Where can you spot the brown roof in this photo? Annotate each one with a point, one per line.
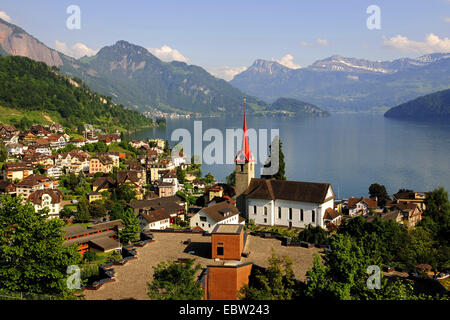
(287, 190)
(106, 243)
(105, 160)
(155, 215)
(55, 194)
(99, 182)
(330, 214)
(221, 211)
(170, 204)
(33, 180)
(371, 203)
(123, 176)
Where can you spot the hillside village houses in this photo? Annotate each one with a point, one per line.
(35, 165)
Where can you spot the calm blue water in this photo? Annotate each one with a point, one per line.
(349, 151)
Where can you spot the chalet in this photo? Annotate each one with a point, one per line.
(54, 127)
(53, 171)
(78, 142)
(8, 131)
(332, 218)
(14, 149)
(175, 206)
(156, 219)
(57, 141)
(16, 171)
(35, 159)
(75, 161)
(411, 197)
(410, 212)
(102, 164)
(221, 213)
(47, 199)
(361, 206)
(288, 203)
(103, 184)
(7, 187)
(39, 131)
(33, 183)
(114, 156)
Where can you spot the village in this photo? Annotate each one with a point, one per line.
(89, 181)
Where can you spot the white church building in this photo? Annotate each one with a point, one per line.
(288, 203)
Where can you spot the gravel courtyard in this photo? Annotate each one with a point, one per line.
(131, 278)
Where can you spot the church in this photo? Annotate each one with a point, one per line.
(279, 202)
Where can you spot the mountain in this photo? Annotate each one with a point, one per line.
(15, 41)
(28, 86)
(348, 84)
(136, 78)
(298, 108)
(433, 105)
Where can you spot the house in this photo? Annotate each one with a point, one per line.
(39, 131)
(166, 189)
(75, 161)
(332, 218)
(155, 168)
(54, 127)
(140, 171)
(101, 164)
(33, 183)
(410, 212)
(131, 178)
(110, 138)
(13, 171)
(54, 172)
(94, 196)
(221, 213)
(361, 206)
(78, 142)
(114, 156)
(11, 139)
(174, 205)
(213, 192)
(103, 184)
(47, 199)
(137, 144)
(7, 131)
(35, 159)
(159, 143)
(288, 203)
(411, 197)
(14, 149)
(7, 187)
(154, 219)
(57, 141)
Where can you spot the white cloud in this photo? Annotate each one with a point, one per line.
(287, 61)
(4, 16)
(168, 54)
(318, 42)
(226, 72)
(431, 44)
(322, 42)
(78, 50)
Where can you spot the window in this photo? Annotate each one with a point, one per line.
(254, 209)
(290, 213)
(265, 211)
(313, 217)
(301, 214)
(279, 212)
(242, 167)
(220, 248)
(203, 219)
(265, 220)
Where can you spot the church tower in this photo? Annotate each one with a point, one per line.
(245, 168)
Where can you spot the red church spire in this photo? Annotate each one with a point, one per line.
(245, 155)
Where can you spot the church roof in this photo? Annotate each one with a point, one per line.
(311, 192)
(245, 155)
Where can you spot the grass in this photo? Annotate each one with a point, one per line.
(114, 147)
(38, 117)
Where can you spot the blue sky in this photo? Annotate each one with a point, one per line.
(224, 37)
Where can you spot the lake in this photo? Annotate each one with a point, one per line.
(349, 151)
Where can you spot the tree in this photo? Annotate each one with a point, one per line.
(176, 281)
(280, 174)
(126, 192)
(131, 227)
(82, 214)
(33, 258)
(3, 153)
(276, 282)
(97, 209)
(379, 191)
(181, 175)
(231, 179)
(209, 178)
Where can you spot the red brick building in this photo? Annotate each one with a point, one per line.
(227, 242)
